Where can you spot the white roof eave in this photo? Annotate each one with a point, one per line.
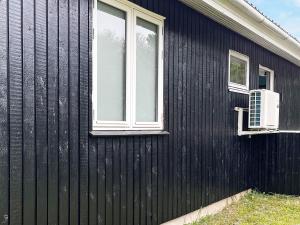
(242, 18)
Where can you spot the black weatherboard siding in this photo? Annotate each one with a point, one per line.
(53, 172)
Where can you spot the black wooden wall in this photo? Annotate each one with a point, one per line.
(53, 172)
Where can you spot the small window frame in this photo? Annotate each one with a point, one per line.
(132, 12)
(234, 87)
(272, 75)
(159, 123)
(106, 125)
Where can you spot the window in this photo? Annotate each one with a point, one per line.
(238, 72)
(127, 67)
(266, 78)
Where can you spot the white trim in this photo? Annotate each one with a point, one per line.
(271, 76)
(234, 87)
(208, 210)
(238, 90)
(241, 132)
(143, 10)
(132, 11)
(242, 18)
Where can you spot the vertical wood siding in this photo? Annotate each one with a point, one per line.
(29, 131)
(15, 95)
(53, 172)
(52, 112)
(4, 119)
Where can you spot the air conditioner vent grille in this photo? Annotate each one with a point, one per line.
(255, 108)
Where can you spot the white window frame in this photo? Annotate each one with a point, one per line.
(234, 87)
(271, 75)
(132, 12)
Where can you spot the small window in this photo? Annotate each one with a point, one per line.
(127, 67)
(266, 78)
(238, 72)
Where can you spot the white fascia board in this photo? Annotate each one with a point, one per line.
(249, 24)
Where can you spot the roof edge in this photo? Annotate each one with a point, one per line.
(241, 17)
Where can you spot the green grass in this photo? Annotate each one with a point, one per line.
(258, 209)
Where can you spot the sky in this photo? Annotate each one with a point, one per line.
(286, 13)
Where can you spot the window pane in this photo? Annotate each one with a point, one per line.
(146, 71)
(238, 70)
(262, 82)
(264, 79)
(111, 52)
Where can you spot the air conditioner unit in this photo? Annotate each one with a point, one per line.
(263, 110)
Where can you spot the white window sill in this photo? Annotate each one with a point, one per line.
(106, 133)
(238, 90)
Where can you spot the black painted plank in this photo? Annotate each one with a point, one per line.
(15, 111)
(179, 119)
(53, 112)
(93, 210)
(224, 125)
(212, 116)
(53, 134)
(63, 98)
(148, 180)
(287, 176)
(29, 184)
(136, 179)
(143, 184)
(154, 180)
(192, 123)
(116, 181)
(189, 126)
(169, 190)
(41, 110)
(200, 115)
(296, 159)
(290, 165)
(165, 213)
(196, 119)
(123, 180)
(217, 130)
(205, 93)
(74, 110)
(109, 181)
(183, 118)
(161, 182)
(83, 110)
(176, 76)
(130, 181)
(101, 168)
(4, 122)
